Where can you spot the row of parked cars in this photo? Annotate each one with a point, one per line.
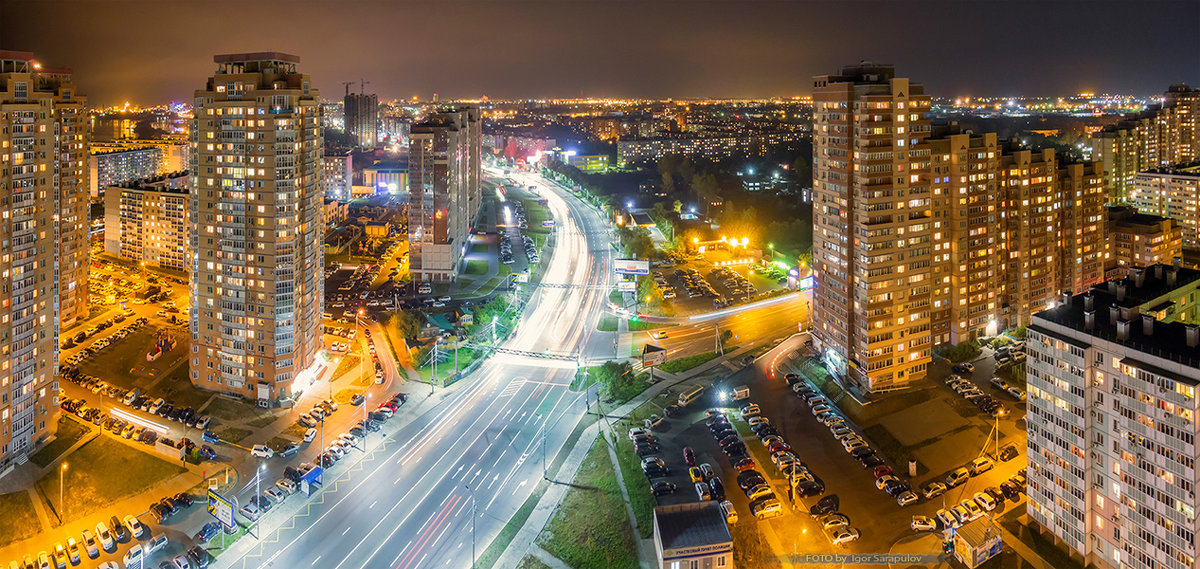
(106, 536)
(992, 498)
(102, 343)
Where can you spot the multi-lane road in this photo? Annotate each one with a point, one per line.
(477, 454)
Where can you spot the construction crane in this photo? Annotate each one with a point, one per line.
(347, 84)
(362, 86)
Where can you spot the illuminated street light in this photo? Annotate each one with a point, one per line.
(62, 497)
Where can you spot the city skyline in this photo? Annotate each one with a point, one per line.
(759, 49)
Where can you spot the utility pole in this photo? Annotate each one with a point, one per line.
(717, 330)
(433, 377)
(62, 497)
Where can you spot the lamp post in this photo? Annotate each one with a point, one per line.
(62, 497)
(362, 353)
(262, 467)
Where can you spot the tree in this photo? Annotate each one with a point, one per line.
(617, 380)
(677, 207)
(802, 170)
(407, 322)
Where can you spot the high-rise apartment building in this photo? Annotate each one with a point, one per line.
(45, 254)
(362, 118)
(1112, 407)
(1159, 137)
(1139, 240)
(339, 175)
(872, 233)
(256, 228)
(444, 170)
(113, 164)
(147, 221)
(1174, 193)
(924, 236)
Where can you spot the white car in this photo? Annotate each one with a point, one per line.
(262, 451)
(707, 470)
(653, 421)
(906, 498)
(135, 527)
(923, 523)
(106, 539)
(348, 438)
(818, 409)
(309, 435)
(636, 432)
(750, 410)
(89, 543)
(844, 536)
(973, 507)
(1016, 393)
(834, 520)
(985, 501)
(947, 519)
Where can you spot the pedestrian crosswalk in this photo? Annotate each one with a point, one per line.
(512, 388)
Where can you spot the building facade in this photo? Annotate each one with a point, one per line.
(1174, 193)
(45, 253)
(721, 146)
(256, 228)
(147, 221)
(386, 177)
(924, 236)
(362, 118)
(339, 175)
(1159, 137)
(1112, 377)
(692, 536)
(444, 167)
(1139, 240)
(113, 164)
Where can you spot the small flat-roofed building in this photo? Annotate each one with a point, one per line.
(692, 536)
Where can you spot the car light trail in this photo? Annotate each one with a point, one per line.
(745, 307)
(120, 414)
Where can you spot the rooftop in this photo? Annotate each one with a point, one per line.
(694, 524)
(1190, 170)
(160, 183)
(256, 56)
(1123, 300)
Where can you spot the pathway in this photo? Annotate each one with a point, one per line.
(642, 544)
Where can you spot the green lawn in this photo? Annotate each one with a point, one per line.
(104, 471)
(20, 519)
(226, 409)
(534, 215)
(233, 434)
(637, 485)
(477, 267)
(608, 323)
(531, 562)
(349, 363)
(688, 362)
(590, 529)
(69, 432)
(445, 369)
(479, 248)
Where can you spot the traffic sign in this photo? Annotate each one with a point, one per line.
(221, 509)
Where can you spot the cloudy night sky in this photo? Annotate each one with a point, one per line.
(149, 52)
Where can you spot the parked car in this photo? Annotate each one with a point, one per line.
(923, 523)
(262, 451)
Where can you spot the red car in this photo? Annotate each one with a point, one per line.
(744, 464)
(881, 471)
(689, 456)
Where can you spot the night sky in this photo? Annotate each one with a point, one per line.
(150, 52)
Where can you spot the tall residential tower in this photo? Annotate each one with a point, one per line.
(256, 228)
(444, 166)
(44, 251)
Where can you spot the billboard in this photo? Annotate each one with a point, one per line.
(631, 267)
(653, 355)
(807, 283)
(627, 286)
(221, 509)
(548, 223)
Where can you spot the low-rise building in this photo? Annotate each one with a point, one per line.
(719, 146)
(1139, 240)
(146, 221)
(692, 535)
(336, 211)
(387, 177)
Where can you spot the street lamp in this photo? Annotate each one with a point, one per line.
(262, 467)
(62, 497)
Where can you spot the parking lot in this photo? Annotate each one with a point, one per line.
(931, 424)
(700, 285)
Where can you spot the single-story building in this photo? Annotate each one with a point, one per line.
(692, 536)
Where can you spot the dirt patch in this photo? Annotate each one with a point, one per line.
(921, 422)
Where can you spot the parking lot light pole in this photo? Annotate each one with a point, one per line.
(62, 498)
(262, 467)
